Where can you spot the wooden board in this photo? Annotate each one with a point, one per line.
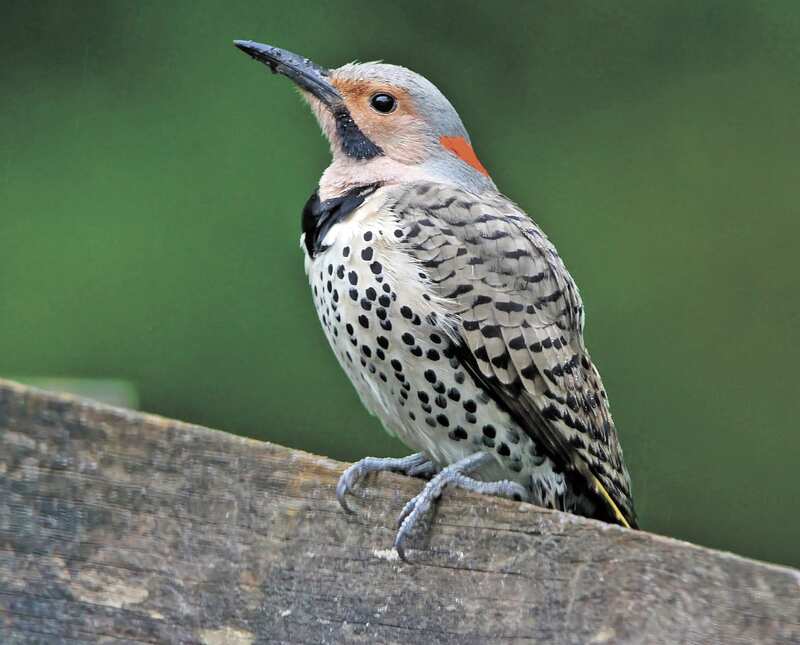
(118, 527)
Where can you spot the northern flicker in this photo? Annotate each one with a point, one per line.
(447, 306)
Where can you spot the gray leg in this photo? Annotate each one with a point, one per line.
(453, 475)
(416, 465)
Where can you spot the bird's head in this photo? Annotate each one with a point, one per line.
(385, 124)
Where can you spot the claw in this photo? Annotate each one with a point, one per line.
(345, 485)
(398, 546)
(425, 469)
(411, 465)
(453, 475)
(415, 508)
(418, 465)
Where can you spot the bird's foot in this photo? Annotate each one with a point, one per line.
(453, 475)
(416, 465)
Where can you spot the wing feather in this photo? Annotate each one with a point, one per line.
(520, 321)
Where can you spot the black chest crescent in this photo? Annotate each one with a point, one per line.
(320, 216)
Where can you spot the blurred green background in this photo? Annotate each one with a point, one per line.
(152, 177)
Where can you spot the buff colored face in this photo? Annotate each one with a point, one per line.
(386, 114)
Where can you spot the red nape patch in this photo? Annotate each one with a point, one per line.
(460, 147)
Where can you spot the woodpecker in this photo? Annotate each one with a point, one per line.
(449, 309)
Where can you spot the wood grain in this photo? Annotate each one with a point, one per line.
(117, 526)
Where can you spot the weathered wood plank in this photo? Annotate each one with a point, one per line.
(122, 527)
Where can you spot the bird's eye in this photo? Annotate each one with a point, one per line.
(383, 103)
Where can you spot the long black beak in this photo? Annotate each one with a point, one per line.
(307, 74)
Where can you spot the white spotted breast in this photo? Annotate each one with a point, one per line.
(396, 341)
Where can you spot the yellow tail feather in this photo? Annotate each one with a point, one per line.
(611, 503)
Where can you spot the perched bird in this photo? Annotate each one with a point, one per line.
(449, 309)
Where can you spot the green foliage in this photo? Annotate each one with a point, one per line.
(151, 180)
